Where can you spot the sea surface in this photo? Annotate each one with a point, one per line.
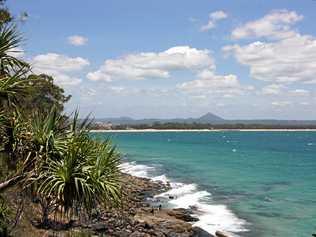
(259, 184)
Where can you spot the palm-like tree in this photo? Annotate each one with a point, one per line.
(12, 83)
(10, 41)
(75, 172)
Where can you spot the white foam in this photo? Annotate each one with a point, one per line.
(178, 190)
(212, 216)
(136, 170)
(162, 178)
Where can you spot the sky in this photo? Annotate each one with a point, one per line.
(239, 59)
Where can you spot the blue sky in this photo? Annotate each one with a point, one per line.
(238, 59)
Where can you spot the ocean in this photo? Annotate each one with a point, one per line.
(259, 184)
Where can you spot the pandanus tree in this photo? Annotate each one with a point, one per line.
(73, 171)
(63, 167)
(12, 79)
(10, 40)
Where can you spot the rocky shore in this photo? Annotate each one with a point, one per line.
(139, 215)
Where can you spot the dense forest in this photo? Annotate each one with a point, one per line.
(46, 157)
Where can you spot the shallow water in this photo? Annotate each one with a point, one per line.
(246, 183)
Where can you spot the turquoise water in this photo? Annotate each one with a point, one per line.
(267, 180)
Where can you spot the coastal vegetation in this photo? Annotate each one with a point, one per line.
(46, 156)
(197, 126)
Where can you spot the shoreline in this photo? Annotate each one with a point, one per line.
(201, 211)
(151, 213)
(137, 216)
(199, 130)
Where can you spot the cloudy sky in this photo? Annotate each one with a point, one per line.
(241, 59)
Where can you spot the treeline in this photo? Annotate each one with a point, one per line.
(166, 126)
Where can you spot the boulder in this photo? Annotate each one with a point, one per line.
(199, 232)
(99, 227)
(182, 214)
(221, 234)
(139, 234)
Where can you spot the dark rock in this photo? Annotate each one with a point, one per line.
(122, 233)
(99, 227)
(199, 232)
(139, 234)
(221, 234)
(172, 228)
(182, 214)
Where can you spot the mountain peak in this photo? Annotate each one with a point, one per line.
(210, 117)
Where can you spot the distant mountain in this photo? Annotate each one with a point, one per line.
(208, 118)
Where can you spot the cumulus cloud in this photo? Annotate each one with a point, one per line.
(276, 25)
(214, 17)
(60, 67)
(198, 62)
(77, 40)
(284, 61)
(207, 80)
(153, 65)
(210, 83)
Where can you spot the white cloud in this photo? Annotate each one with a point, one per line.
(153, 65)
(210, 83)
(59, 66)
(64, 79)
(161, 64)
(278, 90)
(59, 62)
(77, 40)
(214, 17)
(276, 25)
(285, 61)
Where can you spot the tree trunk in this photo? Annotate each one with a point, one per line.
(10, 182)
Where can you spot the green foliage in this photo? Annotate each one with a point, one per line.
(43, 94)
(10, 40)
(12, 88)
(86, 172)
(62, 164)
(5, 15)
(47, 153)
